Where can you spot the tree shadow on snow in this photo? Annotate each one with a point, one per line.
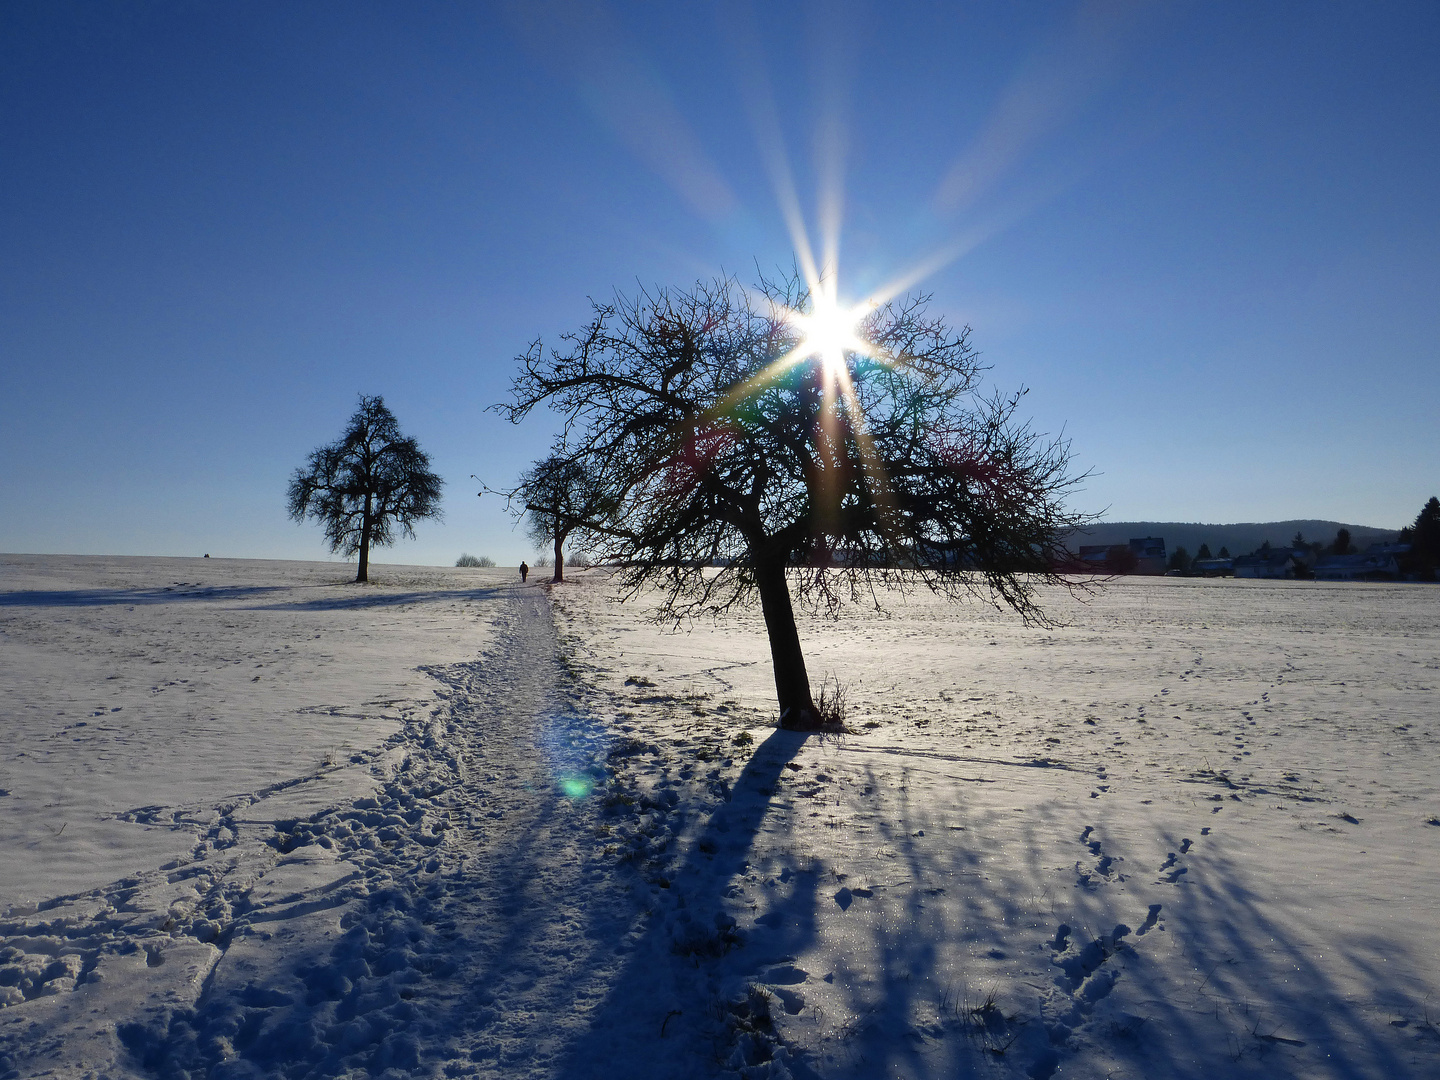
(978, 955)
(67, 598)
(664, 1012)
(362, 600)
(123, 597)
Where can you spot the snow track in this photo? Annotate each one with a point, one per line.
(462, 911)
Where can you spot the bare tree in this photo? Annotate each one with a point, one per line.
(559, 497)
(365, 483)
(732, 455)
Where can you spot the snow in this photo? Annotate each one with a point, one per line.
(462, 827)
(143, 687)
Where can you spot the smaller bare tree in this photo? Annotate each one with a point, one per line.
(365, 483)
(559, 498)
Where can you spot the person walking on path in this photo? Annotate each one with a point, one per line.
(524, 572)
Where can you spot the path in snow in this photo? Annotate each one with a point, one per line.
(463, 916)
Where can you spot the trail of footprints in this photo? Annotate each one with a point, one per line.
(1105, 867)
(1087, 969)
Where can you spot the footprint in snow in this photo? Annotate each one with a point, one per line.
(1150, 921)
(785, 975)
(846, 896)
(1079, 963)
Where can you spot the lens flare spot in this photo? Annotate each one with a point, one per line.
(576, 787)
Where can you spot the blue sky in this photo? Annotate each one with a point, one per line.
(1205, 236)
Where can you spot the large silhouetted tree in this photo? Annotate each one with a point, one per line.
(363, 485)
(733, 456)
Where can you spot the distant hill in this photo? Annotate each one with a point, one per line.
(1241, 539)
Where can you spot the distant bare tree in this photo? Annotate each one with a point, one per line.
(364, 484)
(559, 496)
(730, 453)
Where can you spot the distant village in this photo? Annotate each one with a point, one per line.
(1412, 554)
(1301, 559)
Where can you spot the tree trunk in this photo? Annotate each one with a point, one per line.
(559, 575)
(363, 574)
(792, 684)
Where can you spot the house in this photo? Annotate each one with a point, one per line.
(1142, 556)
(1271, 563)
(1378, 562)
(1149, 552)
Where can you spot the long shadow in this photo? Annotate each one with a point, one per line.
(1260, 1001)
(1096, 981)
(659, 1005)
(68, 598)
(384, 600)
(111, 597)
(1242, 1022)
(649, 997)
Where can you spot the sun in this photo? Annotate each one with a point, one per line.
(828, 331)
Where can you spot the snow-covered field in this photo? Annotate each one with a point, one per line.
(460, 827)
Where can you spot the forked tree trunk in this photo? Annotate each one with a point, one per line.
(792, 684)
